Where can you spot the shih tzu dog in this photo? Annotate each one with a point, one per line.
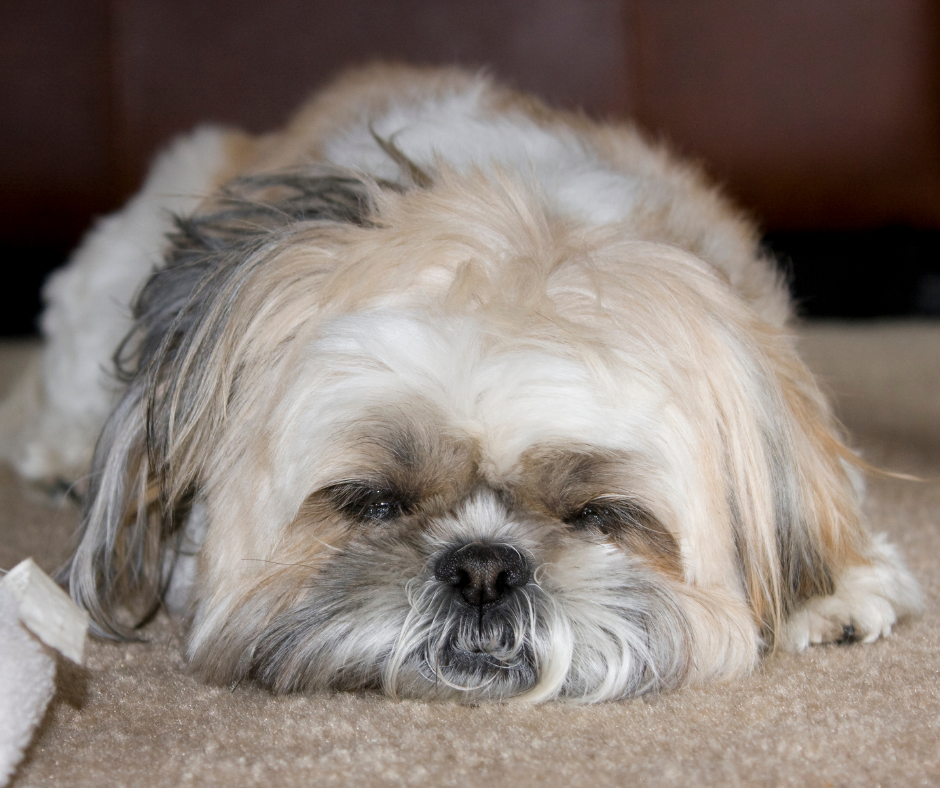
(444, 392)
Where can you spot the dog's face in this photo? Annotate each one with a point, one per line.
(444, 510)
(450, 445)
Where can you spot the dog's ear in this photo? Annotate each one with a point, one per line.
(122, 536)
(196, 322)
(794, 508)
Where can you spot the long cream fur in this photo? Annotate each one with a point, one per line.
(434, 315)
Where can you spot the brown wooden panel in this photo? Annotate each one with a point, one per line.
(54, 138)
(817, 113)
(248, 63)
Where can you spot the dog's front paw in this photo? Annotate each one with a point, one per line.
(867, 603)
(835, 619)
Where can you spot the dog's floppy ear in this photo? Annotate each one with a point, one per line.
(793, 505)
(181, 364)
(122, 536)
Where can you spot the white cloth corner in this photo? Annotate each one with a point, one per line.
(27, 683)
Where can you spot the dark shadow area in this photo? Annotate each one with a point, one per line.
(27, 266)
(859, 274)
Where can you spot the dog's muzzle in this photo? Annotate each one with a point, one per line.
(488, 619)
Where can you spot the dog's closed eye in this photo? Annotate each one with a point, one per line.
(369, 503)
(608, 516)
(630, 524)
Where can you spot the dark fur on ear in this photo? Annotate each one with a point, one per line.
(137, 498)
(206, 248)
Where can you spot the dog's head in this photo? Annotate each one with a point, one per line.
(450, 445)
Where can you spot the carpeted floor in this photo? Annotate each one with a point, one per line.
(834, 716)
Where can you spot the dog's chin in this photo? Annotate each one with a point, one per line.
(454, 672)
(478, 654)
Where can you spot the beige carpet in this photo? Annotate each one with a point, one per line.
(835, 716)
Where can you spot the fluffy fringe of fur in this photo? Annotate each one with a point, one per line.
(660, 328)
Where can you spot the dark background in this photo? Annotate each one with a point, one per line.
(822, 117)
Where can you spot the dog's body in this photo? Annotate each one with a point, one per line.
(456, 396)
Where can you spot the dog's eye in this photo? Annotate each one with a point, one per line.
(631, 526)
(593, 516)
(608, 516)
(369, 504)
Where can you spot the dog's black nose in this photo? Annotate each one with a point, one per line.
(483, 574)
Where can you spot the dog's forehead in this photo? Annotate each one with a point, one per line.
(391, 370)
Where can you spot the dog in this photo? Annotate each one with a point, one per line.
(443, 392)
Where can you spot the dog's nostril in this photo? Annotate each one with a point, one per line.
(483, 574)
